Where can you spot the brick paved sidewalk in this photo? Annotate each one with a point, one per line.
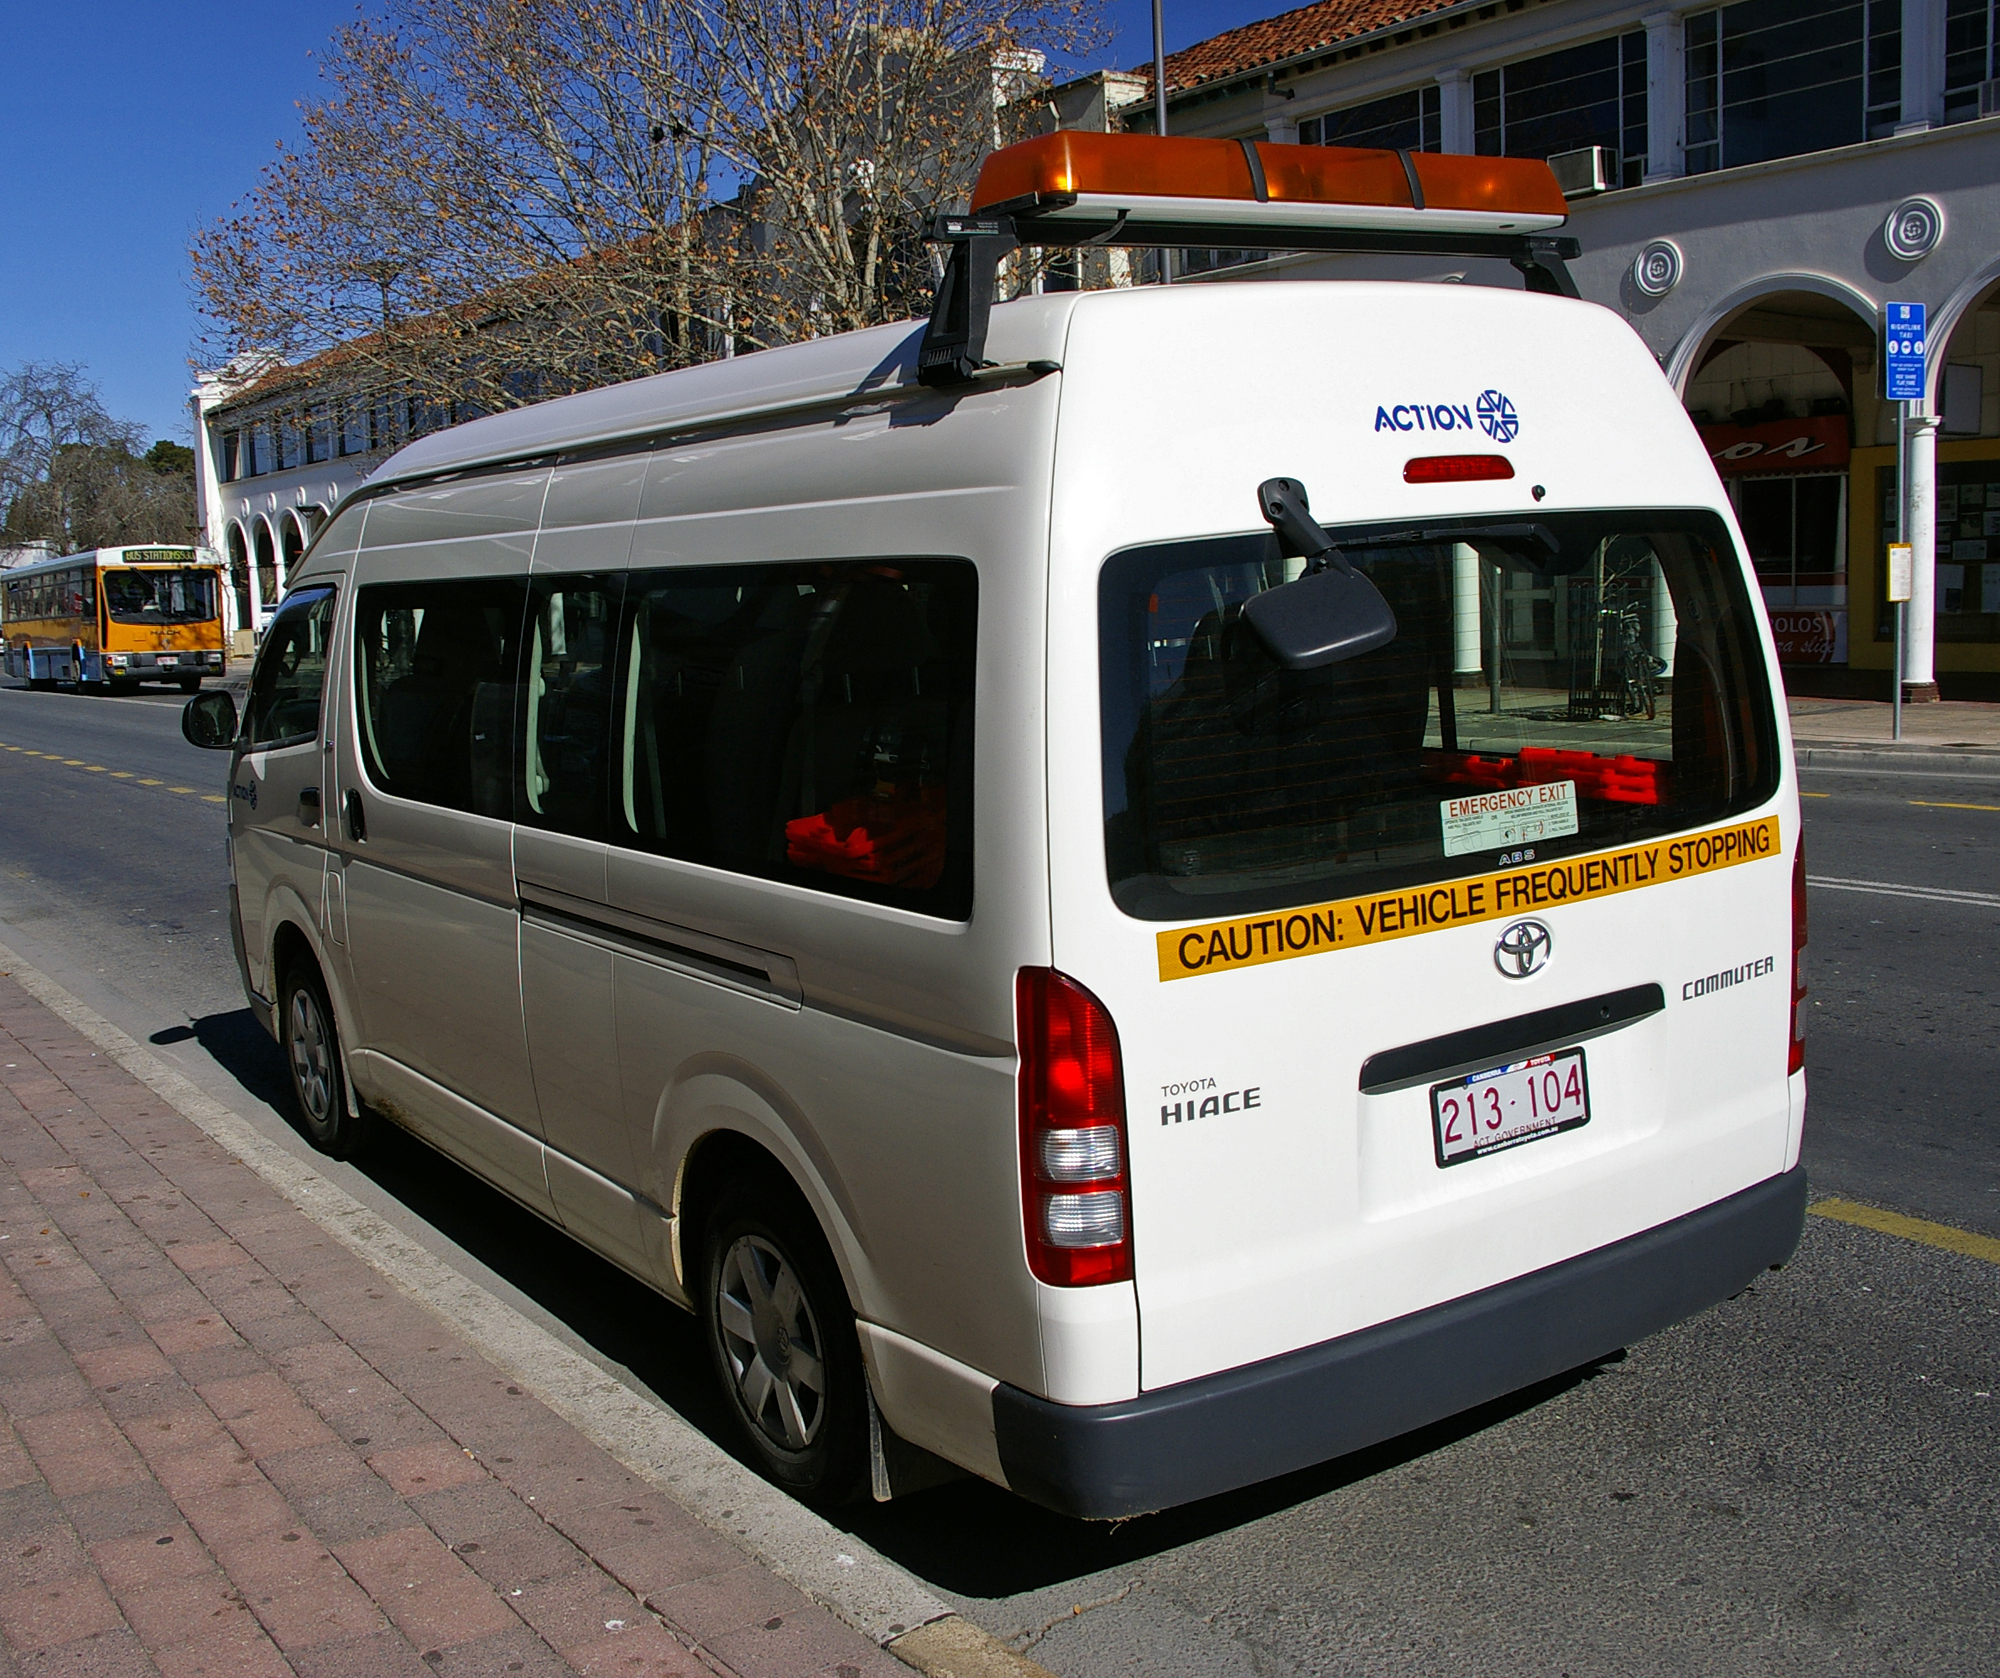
(228, 1446)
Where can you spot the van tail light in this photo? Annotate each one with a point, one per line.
(1457, 468)
(1076, 1202)
(1798, 1060)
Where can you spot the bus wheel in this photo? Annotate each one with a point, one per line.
(781, 1337)
(125, 685)
(190, 684)
(41, 684)
(312, 1055)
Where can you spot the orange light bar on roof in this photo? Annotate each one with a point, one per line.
(1073, 176)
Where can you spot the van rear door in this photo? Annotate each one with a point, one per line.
(1453, 960)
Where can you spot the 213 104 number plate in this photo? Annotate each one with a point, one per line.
(1485, 1112)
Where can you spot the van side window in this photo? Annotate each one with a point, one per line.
(435, 689)
(566, 728)
(806, 722)
(283, 707)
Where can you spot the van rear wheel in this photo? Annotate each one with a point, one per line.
(781, 1337)
(312, 1056)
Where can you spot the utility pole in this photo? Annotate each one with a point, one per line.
(1160, 112)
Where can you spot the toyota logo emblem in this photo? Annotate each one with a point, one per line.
(1522, 949)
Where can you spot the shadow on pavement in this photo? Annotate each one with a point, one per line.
(243, 1049)
(976, 1540)
(967, 1537)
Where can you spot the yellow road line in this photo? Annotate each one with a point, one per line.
(213, 798)
(97, 769)
(180, 789)
(1815, 795)
(121, 774)
(1928, 804)
(1910, 1229)
(73, 762)
(146, 783)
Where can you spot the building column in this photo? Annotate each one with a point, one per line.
(1465, 591)
(1666, 96)
(1282, 129)
(1920, 615)
(1455, 112)
(1923, 65)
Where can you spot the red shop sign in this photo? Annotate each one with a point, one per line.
(1789, 445)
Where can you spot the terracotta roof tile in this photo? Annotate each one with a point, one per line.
(1325, 23)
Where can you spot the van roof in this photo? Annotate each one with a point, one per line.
(858, 364)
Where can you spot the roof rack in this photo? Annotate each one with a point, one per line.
(1067, 190)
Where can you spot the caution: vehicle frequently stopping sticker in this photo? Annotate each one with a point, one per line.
(1353, 922)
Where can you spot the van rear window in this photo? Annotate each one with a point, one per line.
(1603, 679)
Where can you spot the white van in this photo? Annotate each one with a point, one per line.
(839, 845)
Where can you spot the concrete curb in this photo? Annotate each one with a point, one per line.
(866, 1590)
(1907, 757)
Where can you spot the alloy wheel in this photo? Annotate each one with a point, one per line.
(312, 1056)
(772, 1343)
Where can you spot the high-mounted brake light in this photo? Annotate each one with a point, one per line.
(1798, 1054)
(1456, 468)
(1074, 176)
(1076, 1202)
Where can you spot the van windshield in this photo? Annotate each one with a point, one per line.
(1537, 702)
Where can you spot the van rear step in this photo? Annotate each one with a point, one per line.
(1193, 1440)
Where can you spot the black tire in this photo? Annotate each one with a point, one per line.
(311, 1041)
(190, 684)
(125, 686)
(768, 1340)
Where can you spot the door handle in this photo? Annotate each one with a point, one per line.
(309, 806)
(357, 819)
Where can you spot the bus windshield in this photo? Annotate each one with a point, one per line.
(1597, 688)
(182, 595)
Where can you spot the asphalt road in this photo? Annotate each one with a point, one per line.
(1802, 1480)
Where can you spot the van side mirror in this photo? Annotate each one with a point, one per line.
(1330, 614)
(209, 720)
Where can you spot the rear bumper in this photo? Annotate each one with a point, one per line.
(1228, 1430)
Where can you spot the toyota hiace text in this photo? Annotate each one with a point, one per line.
(1122, 890)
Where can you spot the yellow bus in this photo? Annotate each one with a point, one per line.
(113, 618)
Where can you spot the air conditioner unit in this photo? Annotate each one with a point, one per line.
(1989, 98)
(1586, 170)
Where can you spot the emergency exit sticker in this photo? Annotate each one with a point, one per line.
(1497, 821)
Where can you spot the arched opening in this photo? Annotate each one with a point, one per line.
(1967, 499)
(239, 573)
(293, 540)
(267, 567)
(1783, 394)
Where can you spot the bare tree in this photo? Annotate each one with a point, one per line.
(502, 201)
(68, 473)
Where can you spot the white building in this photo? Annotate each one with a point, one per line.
(1752, 183)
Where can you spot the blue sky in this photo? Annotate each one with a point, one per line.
(127, 124)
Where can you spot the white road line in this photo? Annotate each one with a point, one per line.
(867, 1590)
(1892, 888)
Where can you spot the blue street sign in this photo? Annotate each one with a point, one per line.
(1903, 352)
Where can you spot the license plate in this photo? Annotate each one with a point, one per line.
(169, 658)
(1486, 1111)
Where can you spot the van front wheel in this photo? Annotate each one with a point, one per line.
(312, 1056)
(782, 1339)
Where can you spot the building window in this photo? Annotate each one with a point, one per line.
(1402, 122)
(1969, 54)
(256, 452)
(1777, 78)
(318, 436)
(287, 449)
(1591, 95)
(229, 462)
